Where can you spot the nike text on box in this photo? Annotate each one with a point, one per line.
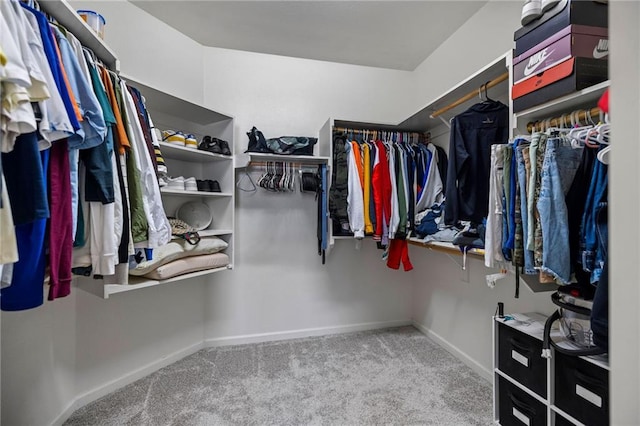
(573, 41)
(567, 77)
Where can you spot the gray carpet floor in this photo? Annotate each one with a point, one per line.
(392, 376)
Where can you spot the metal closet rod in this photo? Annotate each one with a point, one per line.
(470, 95)
(357, 131)
(562, 121)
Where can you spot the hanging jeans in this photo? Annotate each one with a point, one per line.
(561, 162)
(522, 181)
(592, 255)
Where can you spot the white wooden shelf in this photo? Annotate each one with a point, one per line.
(585, 98)
(68, 18)
(177, 152)
(209, 233)
(305, 159)
(196, 194)
(98, 288)
(166, 103)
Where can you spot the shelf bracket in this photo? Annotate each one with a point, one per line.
(446, 122)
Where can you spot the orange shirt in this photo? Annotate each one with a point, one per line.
(121, 139)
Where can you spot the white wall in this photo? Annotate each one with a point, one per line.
(454, 306)
(624, 208)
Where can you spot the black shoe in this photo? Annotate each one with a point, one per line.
(225, 147)
(203, 185)
(214, 186)
(210, 144)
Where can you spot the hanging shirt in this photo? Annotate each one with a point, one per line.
(54, 122)
(355, 202)
(366, 161)
(381, 181)
(159, 228)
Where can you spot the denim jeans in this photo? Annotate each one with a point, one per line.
(531, 205)
(595, 212)
(522, 180)
(561, 162)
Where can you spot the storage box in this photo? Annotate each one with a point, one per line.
(574, 40)
(565, 13)
(517, 408)
(581, 389)
(519, 356)
(567, 77)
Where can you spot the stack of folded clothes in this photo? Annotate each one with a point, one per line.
(180, 257)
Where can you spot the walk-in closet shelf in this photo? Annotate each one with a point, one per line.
(583, 99)
(422, 121)
(170, 112)
(67, 17)
(527, 389)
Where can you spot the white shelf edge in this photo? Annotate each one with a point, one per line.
(110, 289)
(565, 415)
(564, 99)
(521, 386)
(196, 194)
(168, 149)
(309, 159)
(62, 11)
(210, 233)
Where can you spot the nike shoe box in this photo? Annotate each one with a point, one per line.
(574, 40)
(565, 13)
(567, 77)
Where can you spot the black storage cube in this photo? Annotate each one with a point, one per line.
(581, 389)
(561, 421)
(519, 356)
(518, 408)
(583, 12)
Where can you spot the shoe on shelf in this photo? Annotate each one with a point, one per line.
(191, 141)
(214, 186)
(174, 137)
(162, 167)
(224, 145)
(162, 181)
(210, 144)
(548, 4)
(190, 184)
(531, 11)
(203, 185)
(175, 183)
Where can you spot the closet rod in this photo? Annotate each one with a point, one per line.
(470, 95)
(562, 121)
(345, 130)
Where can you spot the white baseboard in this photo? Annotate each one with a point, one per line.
(100, 391)
(455, 351)
(307, 332)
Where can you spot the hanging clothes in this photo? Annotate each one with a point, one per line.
(472, 134)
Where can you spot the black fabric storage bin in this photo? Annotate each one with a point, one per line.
(581, 389)
(519, 356)
(583, 12)
(586, 72)
(518, 408)
(561, 421)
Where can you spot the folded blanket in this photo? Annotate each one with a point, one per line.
(177, 250)
(189, 264)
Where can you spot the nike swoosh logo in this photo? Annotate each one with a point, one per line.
(530, 68)
(599, 54)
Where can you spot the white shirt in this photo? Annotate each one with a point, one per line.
(355, 198)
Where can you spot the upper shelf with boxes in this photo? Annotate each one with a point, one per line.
(560, 61)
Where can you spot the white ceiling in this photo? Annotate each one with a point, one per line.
(385, 34)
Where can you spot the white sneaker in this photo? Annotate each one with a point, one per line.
(531, 11)
(175, 183)
(162, 181)
(190, 184)
(548, 4)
